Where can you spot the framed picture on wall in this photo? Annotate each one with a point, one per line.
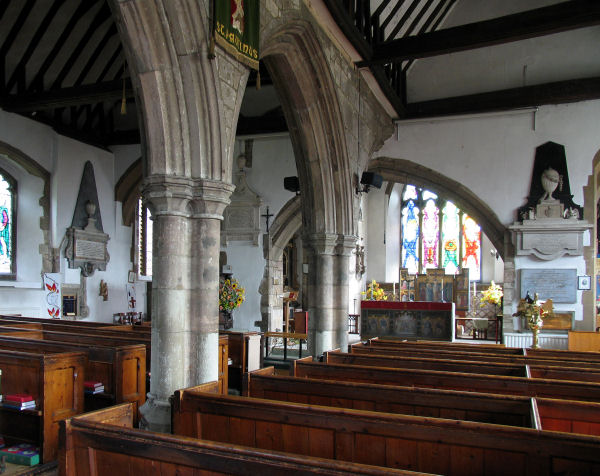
(584, 282)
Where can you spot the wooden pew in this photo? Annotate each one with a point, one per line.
(466, 366)
(55, 380)
(467, 382)
(480, 407)
(408, 362)
(479, 356)
(393, 441)
(541, 413)
(101, 442)
(93, 338)
(122, 369)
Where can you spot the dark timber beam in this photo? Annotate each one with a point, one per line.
(551, 93)
(539, 22)
(76, 96)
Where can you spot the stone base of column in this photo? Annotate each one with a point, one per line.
(155, 415)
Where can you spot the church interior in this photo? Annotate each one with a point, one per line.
(308, 236)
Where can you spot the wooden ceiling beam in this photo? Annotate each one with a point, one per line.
(112, 31)
(102, 15)
(519, 26)
(38, 80)
(529, 96)
(33, 44)
(75, 96)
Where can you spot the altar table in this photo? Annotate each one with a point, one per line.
(407, 320)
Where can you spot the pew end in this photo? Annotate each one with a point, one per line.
(248, 376)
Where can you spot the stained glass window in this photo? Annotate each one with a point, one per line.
(471, 247)
(410, 237)
(435, 233)
(144, 240)
(6, 225)
(450, 238)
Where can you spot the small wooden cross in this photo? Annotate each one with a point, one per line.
(267, 217)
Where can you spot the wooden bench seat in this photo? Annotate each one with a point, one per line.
(55, 380)
(479, 356)
(104, 441)
(121, 369)
(480, 407)
(468, 382)
(528, 412)
(395, 441)
(467, 366)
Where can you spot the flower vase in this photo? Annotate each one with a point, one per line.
(225, 320)
(535, 331)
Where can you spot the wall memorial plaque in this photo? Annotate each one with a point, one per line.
(560, 285)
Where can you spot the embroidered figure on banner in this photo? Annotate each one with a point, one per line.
(237, 15)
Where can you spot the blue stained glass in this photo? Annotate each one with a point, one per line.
(410, 237)
(5, 226)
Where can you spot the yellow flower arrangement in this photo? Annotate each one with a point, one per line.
(492, 295)
(374, 292)
(231, 294)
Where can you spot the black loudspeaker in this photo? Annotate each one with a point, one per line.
(371, 179)
(292, 184)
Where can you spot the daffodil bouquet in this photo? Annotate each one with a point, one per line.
(374, 292)
(492, 295)
(231, 294)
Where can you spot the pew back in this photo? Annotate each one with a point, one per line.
(395, 441)
(101, 442)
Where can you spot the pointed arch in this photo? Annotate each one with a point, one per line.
(297, 65)
(404, 171)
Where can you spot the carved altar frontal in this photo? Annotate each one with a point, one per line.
(407, 320)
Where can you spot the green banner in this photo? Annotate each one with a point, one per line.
(237, 24)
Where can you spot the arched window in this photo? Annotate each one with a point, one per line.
(144, 242)
(436, 234)
(8, 219)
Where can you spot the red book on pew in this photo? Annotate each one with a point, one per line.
(18, 398)
(91, 384)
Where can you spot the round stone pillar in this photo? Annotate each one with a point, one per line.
(185, 280)
(211, 199)
(329, 256)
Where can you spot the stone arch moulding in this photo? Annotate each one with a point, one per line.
(403, 171)
(295, 60)
(50, 255)
(286, 224)
(128, 190)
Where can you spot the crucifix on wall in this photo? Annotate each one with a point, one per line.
(267, 216)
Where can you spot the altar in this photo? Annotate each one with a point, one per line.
(408, 320)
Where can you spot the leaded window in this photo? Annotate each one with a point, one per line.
(7, 228)
(144, 240)
(435, 233)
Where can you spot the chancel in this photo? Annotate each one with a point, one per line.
(302, 200)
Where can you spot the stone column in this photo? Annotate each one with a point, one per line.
(329, 256)
(211, 198)
(185, 264)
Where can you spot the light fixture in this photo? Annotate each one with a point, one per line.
(369, 179)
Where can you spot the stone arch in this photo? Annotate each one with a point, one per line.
(403, 171)
(50, 255)
(128, 190)
(295, 60)
(285, 225)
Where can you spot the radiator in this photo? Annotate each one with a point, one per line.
(547, 341)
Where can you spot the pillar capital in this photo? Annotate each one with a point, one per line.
(346, 245)
(211, 197)
(321, 243)
(168, 195)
